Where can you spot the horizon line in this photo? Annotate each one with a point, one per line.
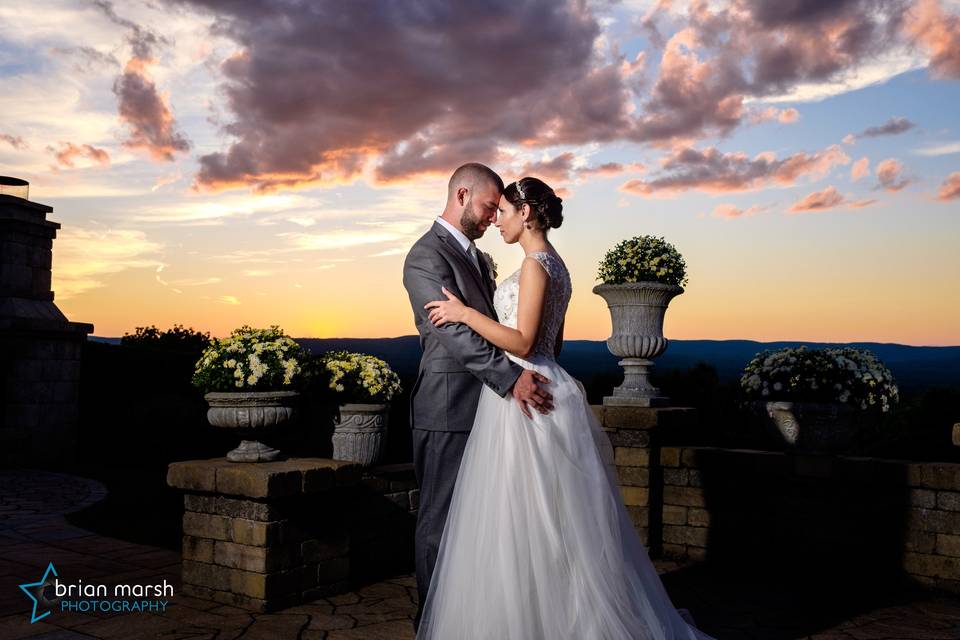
(828, 342)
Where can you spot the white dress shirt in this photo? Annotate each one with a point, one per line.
(468, 245)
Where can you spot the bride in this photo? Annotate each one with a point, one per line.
(537, 543)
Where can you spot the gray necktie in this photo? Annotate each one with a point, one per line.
(472, 250)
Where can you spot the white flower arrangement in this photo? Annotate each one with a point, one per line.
(250, 359)
(359, 377)
(643, 259)
(847, 375)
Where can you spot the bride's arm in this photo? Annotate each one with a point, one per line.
(519, 341)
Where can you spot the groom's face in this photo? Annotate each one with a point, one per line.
(480, 210)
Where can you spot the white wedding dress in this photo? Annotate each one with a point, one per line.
(538, 544)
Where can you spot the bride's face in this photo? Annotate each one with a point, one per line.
(509, 221)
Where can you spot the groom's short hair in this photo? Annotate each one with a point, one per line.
(470, 175)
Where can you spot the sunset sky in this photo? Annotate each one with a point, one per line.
(217, 163)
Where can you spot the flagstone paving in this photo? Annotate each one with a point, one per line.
(34, 532)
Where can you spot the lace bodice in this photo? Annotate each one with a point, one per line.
(507, 295)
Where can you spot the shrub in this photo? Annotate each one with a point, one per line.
(176, 338)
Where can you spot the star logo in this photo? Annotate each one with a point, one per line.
(34, 591)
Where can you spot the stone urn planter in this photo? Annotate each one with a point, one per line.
(812, 426)
(637, 310)
(253, 414)
(360, 433)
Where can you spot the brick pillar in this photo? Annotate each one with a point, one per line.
(636, 434)
(39, 347)
(265, 536)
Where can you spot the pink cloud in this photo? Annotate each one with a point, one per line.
(950, 189)
(730, 211)
(860, 169)
(889, 175)
(788, 116)
(825, 200)
(939, 33)
(69, 152)
(818, 201)
(146, 113)
(14, 141)
(141, 107)
(561, 169)
(783, 116)
(713, 171)
(557, 169)
(609, 169)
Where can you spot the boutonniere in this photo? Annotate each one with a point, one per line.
(491, 265)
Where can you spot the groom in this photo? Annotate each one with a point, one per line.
(456, 362)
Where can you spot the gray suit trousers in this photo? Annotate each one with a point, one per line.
(436, 459)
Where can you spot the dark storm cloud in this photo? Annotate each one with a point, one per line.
(891, 127)
(713, 171)
(323, 91)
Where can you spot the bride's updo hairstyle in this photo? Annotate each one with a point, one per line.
(545, 205)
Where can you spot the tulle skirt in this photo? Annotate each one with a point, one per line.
(538, 544)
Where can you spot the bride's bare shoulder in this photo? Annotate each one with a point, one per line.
(533, 264)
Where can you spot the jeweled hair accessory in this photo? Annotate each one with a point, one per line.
(519, 190)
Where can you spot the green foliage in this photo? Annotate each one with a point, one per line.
(643, 259)
(848, 375)
(176, 338)
(250, 360)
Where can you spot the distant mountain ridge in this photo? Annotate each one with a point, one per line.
(913, 367)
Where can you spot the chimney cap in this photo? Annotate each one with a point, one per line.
(10, 186)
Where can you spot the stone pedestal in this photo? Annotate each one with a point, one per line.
(636, 434)
(265, 536)
(39, 347)
(636, 389)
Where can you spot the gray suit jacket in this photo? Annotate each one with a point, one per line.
(456, 361)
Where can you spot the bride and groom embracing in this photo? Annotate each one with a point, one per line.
(521, 531)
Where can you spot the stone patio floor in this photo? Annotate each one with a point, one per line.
(34, 532)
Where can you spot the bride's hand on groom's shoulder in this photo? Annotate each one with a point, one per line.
(449, 310)
(528, 393)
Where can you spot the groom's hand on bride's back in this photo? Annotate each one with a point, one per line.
(528, 392)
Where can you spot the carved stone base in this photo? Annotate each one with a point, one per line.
(636, 390)
(360, 433)
(254, 451)
(622, 401)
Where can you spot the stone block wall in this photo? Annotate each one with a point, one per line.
(799, 514)
(41, 381)
(264, 536)
(383, 522)
(633, 433)
(685, 517)
(807, 512)
(255, 555)
(267, 536)
(40, 348)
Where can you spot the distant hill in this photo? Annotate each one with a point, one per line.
(913, 367)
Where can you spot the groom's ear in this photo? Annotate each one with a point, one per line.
(462, 195)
